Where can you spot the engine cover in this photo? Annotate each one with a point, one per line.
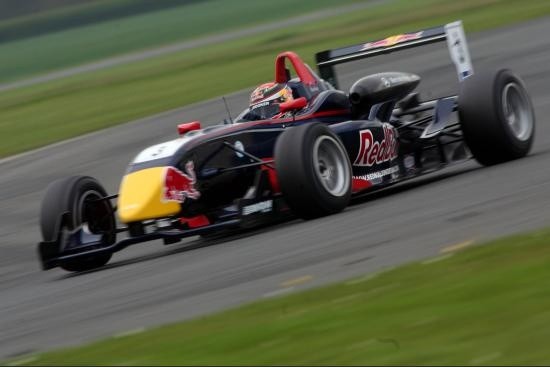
(381, 87)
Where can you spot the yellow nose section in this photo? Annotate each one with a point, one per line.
(140, 196)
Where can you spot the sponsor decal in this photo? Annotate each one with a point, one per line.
(375, 152)
(376, 177)
(258, 105)
(393, 40)
(458, 48)
(240, 146)
(392, 80)
(179, 185)
(409, 162)
(260, 207)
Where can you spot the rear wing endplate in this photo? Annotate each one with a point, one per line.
(453, 33)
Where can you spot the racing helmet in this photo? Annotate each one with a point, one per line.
(265, 99)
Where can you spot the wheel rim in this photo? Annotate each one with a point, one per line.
(331, 169)
(517, 111)
(94, 218)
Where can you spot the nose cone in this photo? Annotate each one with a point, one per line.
(142, 196)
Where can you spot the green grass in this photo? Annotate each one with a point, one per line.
(42, 114)
(11, 9)
(93, 42)
(38, 17)
(486, 305)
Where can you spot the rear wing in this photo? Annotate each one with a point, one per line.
(453, 33)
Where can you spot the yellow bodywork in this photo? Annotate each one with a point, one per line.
(140, 196)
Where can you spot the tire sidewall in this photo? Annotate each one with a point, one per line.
(296, 170)
(89, 186)
(485, 128)
(59, 210)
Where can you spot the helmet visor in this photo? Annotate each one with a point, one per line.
(264, 110)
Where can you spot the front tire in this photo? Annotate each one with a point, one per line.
(313, 170)
(73, 202)
(496, 116)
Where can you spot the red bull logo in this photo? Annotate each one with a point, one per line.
(375, 152)
(180, 185)
(393, 40)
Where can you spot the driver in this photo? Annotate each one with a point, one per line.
(265, 100)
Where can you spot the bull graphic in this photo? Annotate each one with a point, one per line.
(391, 41)
(180, 185)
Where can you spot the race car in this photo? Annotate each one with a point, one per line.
(326, 147)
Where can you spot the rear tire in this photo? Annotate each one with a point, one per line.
(496, 116)
(313, 170)
(67, 205)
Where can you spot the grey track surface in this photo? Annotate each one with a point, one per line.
(149, 284)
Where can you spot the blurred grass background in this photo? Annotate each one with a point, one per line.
(97, 30)
(487, 305)
(45, 113)
(23, 19)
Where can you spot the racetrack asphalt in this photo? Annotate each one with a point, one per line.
(150, 284)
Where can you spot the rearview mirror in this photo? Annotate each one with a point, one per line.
(293, 105)
(189, 126)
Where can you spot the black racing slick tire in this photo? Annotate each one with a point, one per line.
(71, 202)
(496, 116)
(313, 170)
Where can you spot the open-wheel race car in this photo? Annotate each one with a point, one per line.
(325, 147)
